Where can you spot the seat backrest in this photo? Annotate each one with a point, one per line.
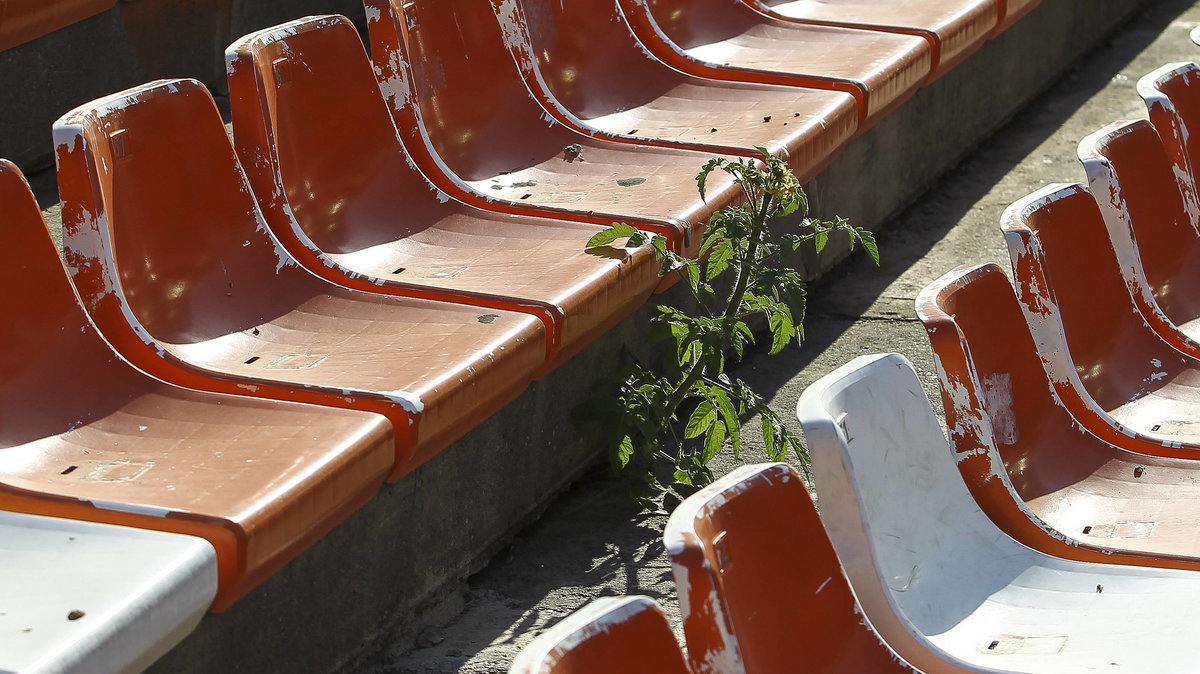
(57, 372)
(1131, 177)
(285, 85)
(1069, 281)
(22, 20)
(446, 66)
(1172, 95)
(588, 56)
(919, 552)
(745, 612)
(611, 634)
(160, 229)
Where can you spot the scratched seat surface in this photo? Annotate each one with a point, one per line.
(368, 219)
(946, 588)
(584, 62)
(84, 597)
(177, 268)
(953, 28)
(1102, 338)
(1037, 472)
(727, 544)
(261, 480)
(729, 40)
(1172, 96)
(25, 20)
(472, 125)
(1152, 231)
(610, 634)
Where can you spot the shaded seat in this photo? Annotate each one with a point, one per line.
(86, 597)
(86, 436)
(953, 28)
(1012, 11)
(1153, 235)
(25, 20)
(475, 129)
(610, 634)
(175, 264)
(586, 65)
(1039, 474)
(348, 203)
(761, 587)
(943, 586)
(729, 40)
(1095, 332)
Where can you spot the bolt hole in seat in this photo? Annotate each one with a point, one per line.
(471, 124)
(175, 264)
(942, 585)
(586, 66)
(729, 40)
(85, 597)
(1152, 227)
(1039, 474)
(953, 28)
(608, 635)
(86, 436)
(348, 202)
(760, 586)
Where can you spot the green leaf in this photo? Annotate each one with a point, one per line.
(768, 437)
(701, 420)
(821, 239)
(637, 240)
(713, 442)
(683, 477)
(868, 243)
(625, 450)
(607, 236)
(729, 416)
(719, 259)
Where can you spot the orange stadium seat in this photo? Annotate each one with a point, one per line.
(609, 635)
(348, 203)
(1172, 96)
(177, 267)
(729, 40)
(1041, 476)
(587, 67)
(472, 125)
(1152, 233)
(88, 437)
(954, 28)
(25, 20)
(760, 585)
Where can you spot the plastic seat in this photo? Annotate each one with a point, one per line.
(729, 40)
(953, 28)
(1152, 233)
(348, 203)
(946, 588)
(586, 66)
(25, 20)
(89, 437)
(1040, 475)
(611, 634)
(1096, 332)
(84, 597)
(760, 585)
(1172, 96)
(176, 266)
(476, 130)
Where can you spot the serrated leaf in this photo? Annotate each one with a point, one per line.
(820, 239)
(683, 477)
(768, 437)
(868, 243)
(701, 420)
(713, 442)
(637, 240)
(730, 418)
(719, 259)
(625, 451)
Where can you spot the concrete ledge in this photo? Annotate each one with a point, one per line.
(375, 579)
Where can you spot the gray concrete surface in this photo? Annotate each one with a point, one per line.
(591, 542)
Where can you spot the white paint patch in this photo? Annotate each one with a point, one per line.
(149, 511)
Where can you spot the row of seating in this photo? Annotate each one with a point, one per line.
(260, 331)
(1064, 540)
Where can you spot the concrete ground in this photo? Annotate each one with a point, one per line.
(593, 542)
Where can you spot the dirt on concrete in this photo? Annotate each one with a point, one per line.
(594, 542)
